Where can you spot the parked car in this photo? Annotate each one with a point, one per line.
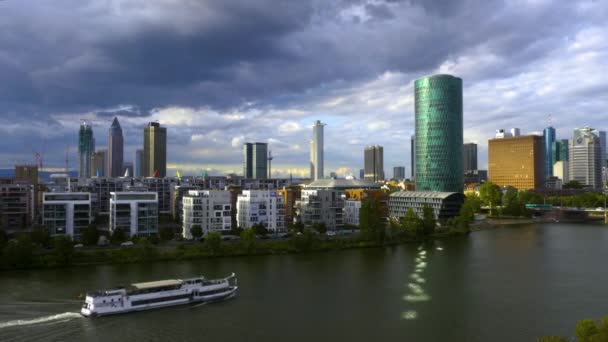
(330, 233)
(127, 244)
(78, 245)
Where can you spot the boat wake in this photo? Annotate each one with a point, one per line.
(21, 322)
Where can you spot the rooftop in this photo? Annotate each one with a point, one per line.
(159, 283)
(424, 194)
(330, 183)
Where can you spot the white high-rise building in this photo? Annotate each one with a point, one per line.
(209, 209)
(66, 213)
(261, 206)
(585, 162)
(316, 151)
(136, 213)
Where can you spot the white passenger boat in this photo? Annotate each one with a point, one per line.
(156, 294)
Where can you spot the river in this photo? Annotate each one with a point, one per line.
(507, 284)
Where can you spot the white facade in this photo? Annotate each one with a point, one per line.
(261, 206)
(560, 170)
(316, 151)
(66, 213)
(209, 209)
(321, 206)
(351, 212)
(136, 213)
(585, 162)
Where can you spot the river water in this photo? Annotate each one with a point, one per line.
(509, 284)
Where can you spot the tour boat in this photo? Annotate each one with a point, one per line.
(156, 294)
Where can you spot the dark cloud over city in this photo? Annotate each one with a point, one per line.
(218, 73)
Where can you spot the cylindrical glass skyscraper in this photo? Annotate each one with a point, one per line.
(439, 141)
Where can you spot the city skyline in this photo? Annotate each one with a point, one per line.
(509, 75)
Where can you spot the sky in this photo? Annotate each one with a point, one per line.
(218, 73)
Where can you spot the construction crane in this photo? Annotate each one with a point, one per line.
(38, 160)
(270, 164)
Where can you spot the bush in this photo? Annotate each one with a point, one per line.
(118, 236)
(196, 231)
(90, 235)
(19, 253)
(63, 247)
(213, 243)
(248, 240)
(166, 233)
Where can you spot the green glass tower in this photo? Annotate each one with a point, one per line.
(439, 141)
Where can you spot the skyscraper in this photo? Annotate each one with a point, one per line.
(115, 150)
(255, 160)
(139, 163)
(439, 142)
(155, 150)
(86, 148)
(585, 164)
(399, 172)
(361, 173)
(316, 151)
(548, 139)
(516, 161)
(469, 157)
(373, 157)
(559, 150)
(602, 135)
(100, 163)
(413, 156)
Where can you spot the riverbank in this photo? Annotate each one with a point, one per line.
(492, 223)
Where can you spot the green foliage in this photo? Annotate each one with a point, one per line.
(490, 195)
(236, 231)
(118, 236)
(90, 235)
(145, 249)
(196, 231)
(166, 233)
(511, 203)
(63, 250)
(529, 197)
(260, 229)
(213, 243)
(19, 253)
(248, 239)
(428, 220)
(40, 236)
(572, 185)
(3, 239)
(412, 224)
(305, 241)
(321, 228)
(370, 220)
(297, 227)
(585, 330)
(552, 339)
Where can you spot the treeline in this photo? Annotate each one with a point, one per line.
(586, 331)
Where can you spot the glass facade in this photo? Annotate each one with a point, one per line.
(548, 140)
(439, 142)
(86, 148)
(559, 150)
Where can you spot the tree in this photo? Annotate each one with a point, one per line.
(304, 241)
(370, 219)
(412, 224)
(321, 227)
(248, 239)
(63, 249)
(236, 231)
(511, 205)
(90, 235)
(19, 253)
(196, 231)
(3, 239)
(213, 242)
(40, 236)
(585, 330)
(572, 185)
(118, 236)
(428, 220)
(260, 229)
(297, 227)
(145, 249)
(490, 195)
(552, 339)
(166, 233)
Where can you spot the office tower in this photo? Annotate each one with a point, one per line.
(413, 156)
(559, 150)
(373, 157)
(516, 161)
(399, 172)
(316, 151)
(100, 161)
(361, 173)
(115, 150)
(602, 135)
(255, 160)
(469, 157)
(548, 139)
(139, 163)
(560, 170)
(155, 150)
(86, 148)
(585, 163)
(438, 101)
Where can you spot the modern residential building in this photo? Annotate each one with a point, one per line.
(354, 198)
(413, 156)
(66, 213)
(439, 140)
(548, 140)
(177, 196)
(261, 207)
(516, 161)
(585, 161)
(209, 209)
(17, 204)
(373, 157)
(399, 172)
(561, 170)
(155, 151)
(255, 160)
(469, 157)
(136, 213)
(100, 163)
(27, 172)
(115, 150)
(291, 195)
(322, 201)
(445, 204)
(161, 186)
(316, 151)
(139, 163)
(86, 149)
